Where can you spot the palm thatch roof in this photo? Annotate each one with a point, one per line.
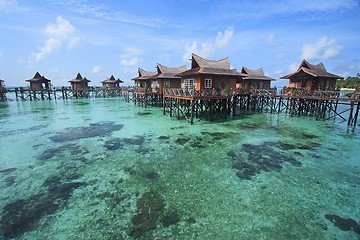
(317, 71)
(201, 65)
(168, 72)
(257, 74)
(38, 78)
(79, 79)
(112, 79)
(143, 75)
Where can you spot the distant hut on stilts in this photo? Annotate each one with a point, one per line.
(312, 77)
(79, 83)
(2, 90)
(254, 79)
(38, 83)
(111, 83)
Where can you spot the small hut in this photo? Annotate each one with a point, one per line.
(144, 79)
(312, 77)
(79, 83)
(209, 74)
(254, 79)
(39, 82)
(2, 84)
(111, 83)
(165, 78)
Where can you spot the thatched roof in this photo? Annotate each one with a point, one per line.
(112, 79)
(257, 74)
(168, 72)
(200, 65)
(317, 71)
(38, 78)
(79, 79)
(143, 75)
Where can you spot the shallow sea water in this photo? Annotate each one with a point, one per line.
(107, 169)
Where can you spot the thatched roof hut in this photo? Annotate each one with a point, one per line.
(39, 82)
(79, 83)
(111, 82)
(254, 79)
(312, 77)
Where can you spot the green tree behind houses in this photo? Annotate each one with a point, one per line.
(349, 82)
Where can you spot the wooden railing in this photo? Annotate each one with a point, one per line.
(190, 92)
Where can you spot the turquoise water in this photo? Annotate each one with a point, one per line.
(106, 169)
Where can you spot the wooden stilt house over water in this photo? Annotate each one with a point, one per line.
(209, 74)
(312, 77)
(144, 79)
(165, 78)
(111, 83)
(2, 84)
(254, 79)
(38, 82)
(79, 83)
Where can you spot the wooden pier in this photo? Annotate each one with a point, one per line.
(191, 104)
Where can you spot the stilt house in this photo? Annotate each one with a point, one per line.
(209, 74)
(254, 79)
(111, 82)
(165, 78)
(39, 82)
(2, 84)
(312, 77)
(79, 83)
(144, 79)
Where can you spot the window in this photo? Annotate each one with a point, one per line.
(208, 83)
(144, 84)
(189, 83)
(167, 84)
(154, 84)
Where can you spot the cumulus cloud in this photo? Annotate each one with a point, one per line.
(58, 34)
(206, 49)
(98, 69)
(324, 48)
(131, 56)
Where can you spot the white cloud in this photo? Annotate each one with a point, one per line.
(131, 56)
(58, 34)
(207, 48)
(324, 48)
(278, 72)
(98, 69)
(8, 4)
(294, 66)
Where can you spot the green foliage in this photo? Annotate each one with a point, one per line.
(349, 82)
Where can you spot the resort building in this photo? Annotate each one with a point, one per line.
(209, 74)
(39, 82)
(165, 78)
(2, 84)
(79, 83)
(254, 79)
(111, 83)
(144, 79)
(312, 77)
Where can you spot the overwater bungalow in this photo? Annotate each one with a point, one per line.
(111, 83)
(144, 79)
(209, 74)
(39, 82)
(79, 83)
(254, 79)
(2, 83)
(165, 78)
(312, 77)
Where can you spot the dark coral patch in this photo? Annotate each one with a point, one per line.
(344, 224)
(23, 215)
(150, 205)
(260, 158)
(170, 218)
(120, 143)
(93, 130)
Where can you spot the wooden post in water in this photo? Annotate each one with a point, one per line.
(192, 112)
(350, 120)
(356, 113)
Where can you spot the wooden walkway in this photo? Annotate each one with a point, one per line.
(210, 103)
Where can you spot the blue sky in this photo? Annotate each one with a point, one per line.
(60, 38)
